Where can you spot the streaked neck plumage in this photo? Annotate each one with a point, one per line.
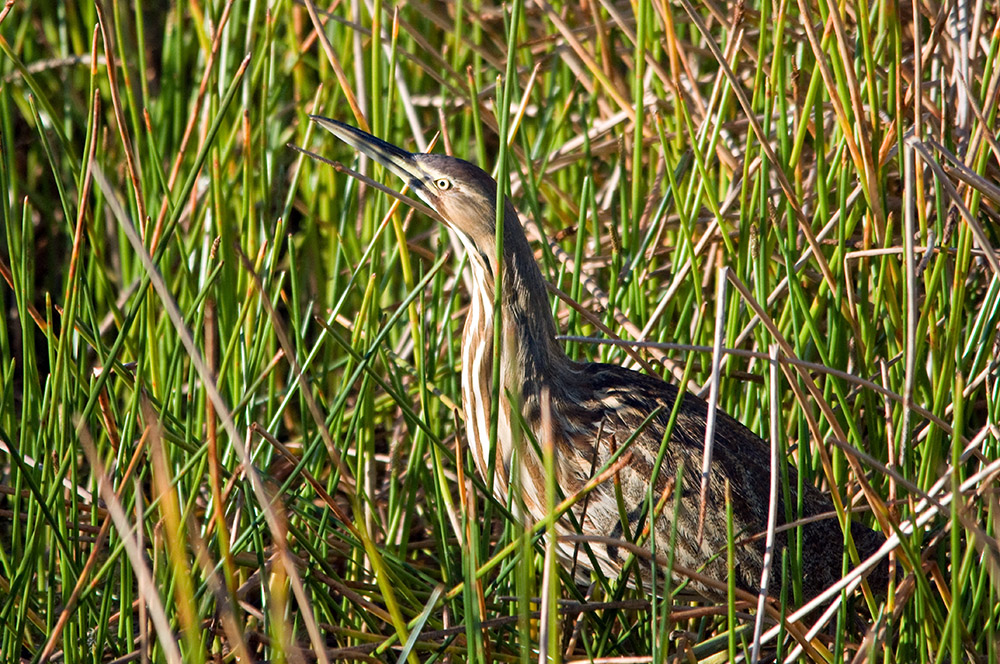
(529, 351)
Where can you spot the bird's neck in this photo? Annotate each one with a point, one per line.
(529, 351)
(527, 334)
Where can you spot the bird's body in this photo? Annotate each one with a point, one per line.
(592, 410)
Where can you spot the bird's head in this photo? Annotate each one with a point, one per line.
(464, 196)
(461, 193)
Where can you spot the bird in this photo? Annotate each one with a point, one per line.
(592, 409)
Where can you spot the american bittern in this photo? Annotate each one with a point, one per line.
(594, 407)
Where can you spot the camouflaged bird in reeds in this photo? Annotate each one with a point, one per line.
(594, 409)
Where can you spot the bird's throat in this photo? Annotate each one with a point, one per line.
(527, 352)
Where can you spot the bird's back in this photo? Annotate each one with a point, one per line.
(598, 408)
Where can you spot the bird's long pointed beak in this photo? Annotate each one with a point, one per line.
(398, 161)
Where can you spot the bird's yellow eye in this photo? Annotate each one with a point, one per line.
(444, 184)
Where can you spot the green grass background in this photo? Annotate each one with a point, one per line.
(229, 374)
